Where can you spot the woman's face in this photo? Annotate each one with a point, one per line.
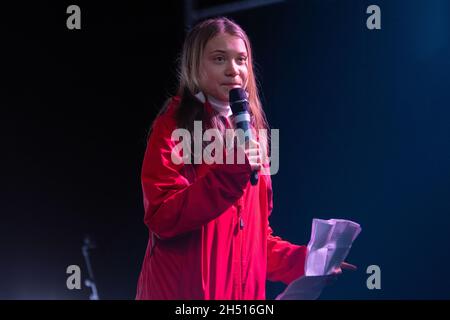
(223, 66)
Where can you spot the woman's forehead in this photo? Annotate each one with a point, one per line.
(224, 42)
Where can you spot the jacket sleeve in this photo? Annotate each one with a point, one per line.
(172, 204)
(285, 261)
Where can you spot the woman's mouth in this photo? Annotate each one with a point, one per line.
(232, 85)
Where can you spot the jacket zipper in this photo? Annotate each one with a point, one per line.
(241, 223)
(241, 227)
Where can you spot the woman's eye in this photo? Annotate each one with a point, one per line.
(242, 59)
(219, 59)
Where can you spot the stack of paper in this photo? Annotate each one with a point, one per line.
(329, 245)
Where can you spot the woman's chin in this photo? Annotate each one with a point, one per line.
(225, 96)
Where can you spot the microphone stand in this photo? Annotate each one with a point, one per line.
(90, 282)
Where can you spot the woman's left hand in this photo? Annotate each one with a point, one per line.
(345, 266)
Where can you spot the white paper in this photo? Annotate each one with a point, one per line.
(330, 243)
(305, 288)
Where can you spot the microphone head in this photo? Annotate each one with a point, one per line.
(238, 100)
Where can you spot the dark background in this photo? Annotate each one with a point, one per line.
(364, 135)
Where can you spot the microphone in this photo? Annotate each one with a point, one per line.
(241, 118)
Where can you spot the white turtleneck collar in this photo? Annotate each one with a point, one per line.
(221, 107)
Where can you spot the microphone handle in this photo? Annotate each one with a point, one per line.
(254, 175)
(245, 126)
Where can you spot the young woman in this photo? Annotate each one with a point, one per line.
(209, 234)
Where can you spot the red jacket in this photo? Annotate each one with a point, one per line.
(209, 231)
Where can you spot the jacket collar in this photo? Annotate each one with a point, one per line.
(223, 108)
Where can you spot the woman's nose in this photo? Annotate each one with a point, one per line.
(232, 69)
